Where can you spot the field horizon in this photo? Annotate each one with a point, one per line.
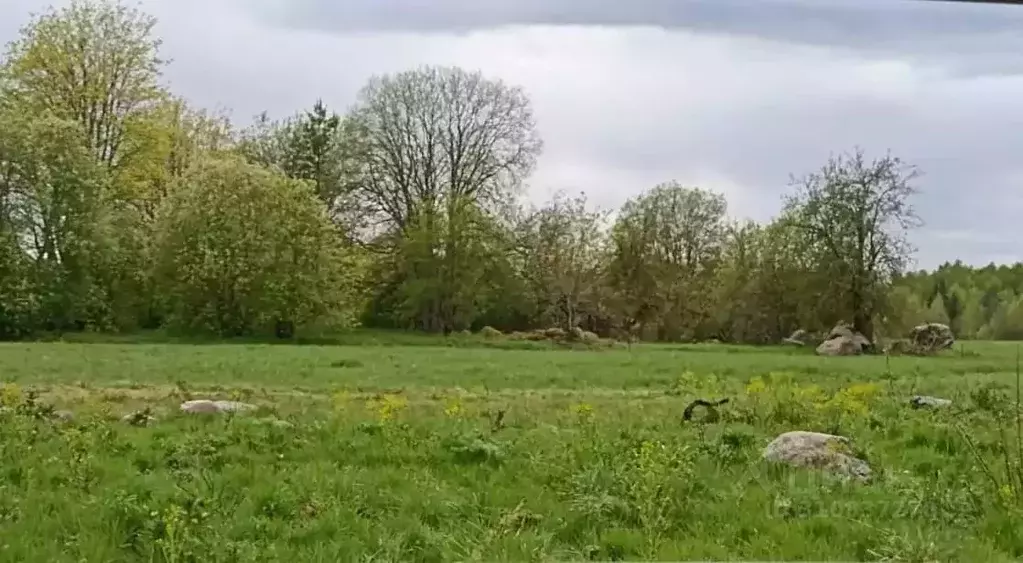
(463, 451)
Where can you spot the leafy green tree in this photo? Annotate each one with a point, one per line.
(95, 62)
(165, 140)
(562, 251)
(51, 220)
(317, 145)
(667, 244)
(123, 207)
(938, 311)
(907, 310)
(1007, 322)
(768, 285)
(972, 318)
(736, 312)
(239, 248)
(428, 286)
(18, 298)
(790, 282)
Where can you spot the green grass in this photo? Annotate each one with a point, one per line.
(394, 454)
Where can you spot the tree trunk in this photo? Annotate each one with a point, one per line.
(862, 319)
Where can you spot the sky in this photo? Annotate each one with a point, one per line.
(730, 95)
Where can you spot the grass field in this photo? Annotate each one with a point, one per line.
(396, 452)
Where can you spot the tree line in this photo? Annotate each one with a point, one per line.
(123, 208)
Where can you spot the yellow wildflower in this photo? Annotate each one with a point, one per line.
(10, 394)
(582, 410)
(387, 406)
(453, 409)
(1006, 493)
(756, 386)
(341, 399)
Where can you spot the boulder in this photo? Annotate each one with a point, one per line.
(839, 347)
(234, 406)
(206, 406)
(924, 401)
(932, 337)
(844, 341)
(535, 336)
(554, 333)
(842, 330)
(816, 450)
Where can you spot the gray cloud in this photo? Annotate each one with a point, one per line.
(824, 20)
(732, 95)
(851, 22)
(952, 31)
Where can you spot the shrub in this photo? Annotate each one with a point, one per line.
(239, 248)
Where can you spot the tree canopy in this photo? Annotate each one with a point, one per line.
(123, 207)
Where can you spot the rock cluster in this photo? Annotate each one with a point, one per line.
(932, 337)
(844, 341)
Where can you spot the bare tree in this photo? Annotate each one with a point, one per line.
(437, 136)
(439, 144)
(857, 214)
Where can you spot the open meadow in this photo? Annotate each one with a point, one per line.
(419, 449)
(511, 421)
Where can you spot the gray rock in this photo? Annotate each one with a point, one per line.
(932, 337)
(816, 450)
(554, 333)
(843, 341)
(234, 406)
(201, 406)
(64, 416)
(206, 406)
(840, 346)
(842, 330)
(925, 401)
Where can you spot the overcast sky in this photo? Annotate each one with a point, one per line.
(732, 95)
